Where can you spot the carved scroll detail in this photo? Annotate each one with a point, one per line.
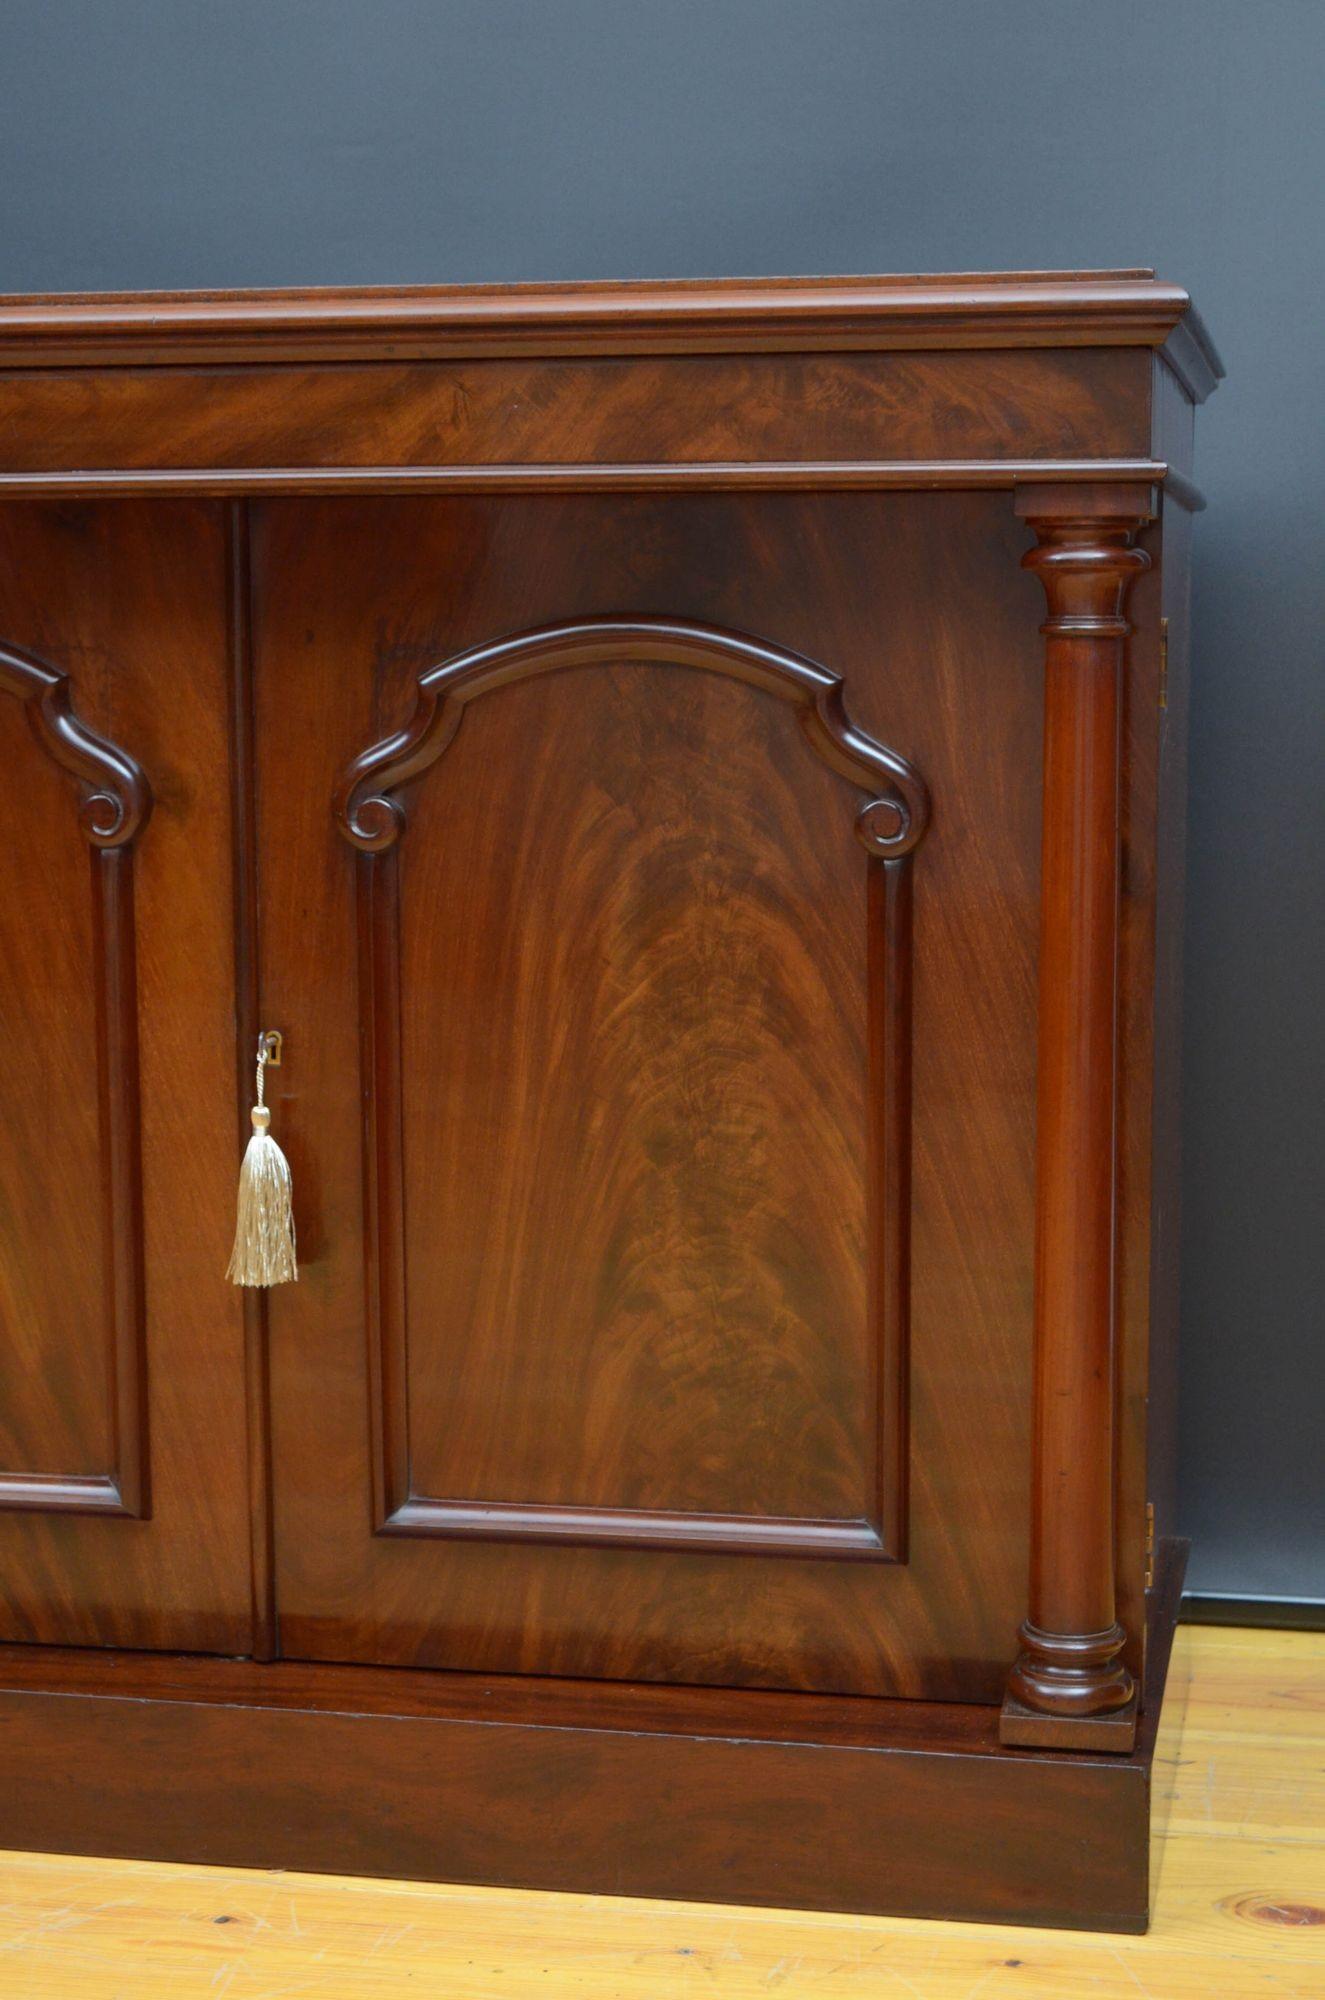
(119, 800)
(889, 824)
(115, 802)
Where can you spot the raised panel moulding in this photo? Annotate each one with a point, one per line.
(889, 824)
(114, 802)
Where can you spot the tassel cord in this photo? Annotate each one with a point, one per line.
(264, 1246)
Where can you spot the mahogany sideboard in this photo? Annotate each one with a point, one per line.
(694, 775)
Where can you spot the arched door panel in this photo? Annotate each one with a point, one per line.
(634, 1070)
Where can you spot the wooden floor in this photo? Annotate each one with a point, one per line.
(1240, 1911)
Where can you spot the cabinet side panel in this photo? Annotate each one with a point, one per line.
(1140, 727)
(1174, 423)
(1166, 1219)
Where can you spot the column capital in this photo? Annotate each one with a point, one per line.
(1086, 564)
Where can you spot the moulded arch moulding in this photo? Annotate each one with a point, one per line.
(889, 824)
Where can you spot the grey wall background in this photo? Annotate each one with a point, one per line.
(252, 142)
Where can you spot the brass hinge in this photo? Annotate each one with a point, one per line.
(1150, 1544)
(1163, 662)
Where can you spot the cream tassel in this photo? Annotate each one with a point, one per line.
(264, 1229)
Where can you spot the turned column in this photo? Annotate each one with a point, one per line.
(1069, 1687)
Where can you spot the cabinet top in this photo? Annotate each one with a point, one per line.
(1126, 308)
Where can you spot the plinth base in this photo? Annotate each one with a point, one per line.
(716, 1795)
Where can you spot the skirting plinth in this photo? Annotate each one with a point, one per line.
(816, 1802)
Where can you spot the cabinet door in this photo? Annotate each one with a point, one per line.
(593, 955)
(123, 1511)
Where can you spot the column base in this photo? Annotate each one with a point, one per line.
(1070, 1691)
(1022, 1728)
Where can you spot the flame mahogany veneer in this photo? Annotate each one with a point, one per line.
(696, 775)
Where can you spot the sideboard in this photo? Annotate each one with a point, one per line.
(690, 780)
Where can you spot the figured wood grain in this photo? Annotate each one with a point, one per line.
(674, 1361)
(112, 805)
(675, 411)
